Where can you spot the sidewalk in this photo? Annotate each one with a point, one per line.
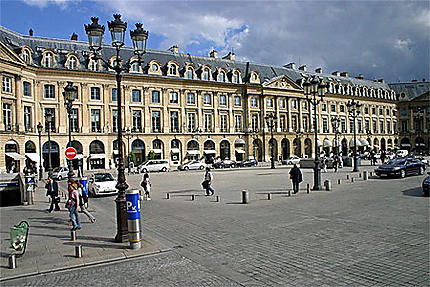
(49, 247)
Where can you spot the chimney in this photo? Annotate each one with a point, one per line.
(174, 49)
(74, 37)
(360, 77)
(229, 56)
(213, 54)
(302, 68)
(344, 74)
(424, 79)
(318, 70)
(380, 80)
(414, 81)
(290, 66)
(30, 32)
(337, 73)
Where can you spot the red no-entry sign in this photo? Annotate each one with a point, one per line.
(70, 153)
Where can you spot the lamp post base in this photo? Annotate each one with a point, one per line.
(272, 163)
(355, 165)
(121, 216)
(317, 176)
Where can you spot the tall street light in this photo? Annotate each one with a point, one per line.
(312, 88)
(128, 135)
(271, 123)
(49, 117)
(70, 93)
(299, 136)
(39, 131)
(335, 121)
(95, 33)
(354, 111)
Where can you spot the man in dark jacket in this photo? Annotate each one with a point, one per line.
(296, 177)
(52, 191)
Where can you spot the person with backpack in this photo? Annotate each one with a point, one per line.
(83, 203)
(146, 185)
(207, 182)
(296, 177)
(72, 205)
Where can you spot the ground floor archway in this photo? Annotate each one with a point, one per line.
(285, 148)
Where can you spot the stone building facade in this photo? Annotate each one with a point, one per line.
(176, 106)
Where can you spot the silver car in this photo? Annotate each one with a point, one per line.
(195, 164)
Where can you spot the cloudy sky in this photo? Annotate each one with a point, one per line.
(379, 39)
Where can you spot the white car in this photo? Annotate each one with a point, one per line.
(195, 164)
(292, 160)
(102, 184)
(154, 165)
(60, 172)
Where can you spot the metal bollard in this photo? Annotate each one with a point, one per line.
(12, 261)
(371, 173)
(193, 197)
(339, 181)
(73, 235)
(133, 218)
(308, 188)
(167, 195)
(327, 185)
(269, 196)
(218, 198)
(347, 176)
(289, 192)
(365, 176)
(78, 251)
(352, 179)
(245, 197)
(359, 175)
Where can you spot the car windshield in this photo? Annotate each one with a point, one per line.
(57, 169)
(396, 162)
(101, 177)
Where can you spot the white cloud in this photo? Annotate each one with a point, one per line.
(44, 3)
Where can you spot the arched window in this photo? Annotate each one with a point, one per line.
(221, 77)
(72, 63)
(235, 78)
(49, 60)
(97, 147)
(192, 145)
(190, 73)
(30, 147)
(205, 75)
(172, 69)
(93, 65)
(135, 67)
(154, 67)
(26, 56)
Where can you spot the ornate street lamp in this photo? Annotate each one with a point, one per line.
(354, 111)
(299, 136)
(335, 121)
(271, 123)
(39, 131)
(49, 117)
(312, 88)
(128, 135)
(139, 36)
(70, 94)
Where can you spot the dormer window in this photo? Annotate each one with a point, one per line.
(172, 69)
(93, 65)
(49, 60)
(26, 56)
(254, 77)
(190, 73)
(72, 63)
(154, 67)
(221, 77)
(135, 67)
(235, 78)
(205, 75)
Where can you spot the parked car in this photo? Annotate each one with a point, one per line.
(292, 160)
(195, 164)
(401, 167)
(154, 165)
(102, 184)
(225, 163)
(426, 185)
(60, 172)
(249, 162)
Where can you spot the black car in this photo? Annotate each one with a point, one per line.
(224, 164)
(401, 167)
(249, 162)
(426, 185)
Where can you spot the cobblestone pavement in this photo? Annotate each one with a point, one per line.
(366, 233)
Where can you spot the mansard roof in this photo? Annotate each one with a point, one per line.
(410, 90)
(16, 41)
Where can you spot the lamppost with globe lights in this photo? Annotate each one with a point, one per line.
(128, 135)
(335, 121)
(95, 33)
(70, 93)
(354, 111)
(49, 117)
(39, 131)
(271, 123)
(313, 87)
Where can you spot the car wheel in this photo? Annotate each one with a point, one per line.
(144, 170)
(60, 177)
(201, 167)
(186, 168)
(164, 169)
(402, 173)
(421, 171)
(233, 166)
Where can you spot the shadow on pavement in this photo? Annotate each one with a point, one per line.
(416, 191)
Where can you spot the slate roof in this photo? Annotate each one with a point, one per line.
(62, 47)
(408, 91)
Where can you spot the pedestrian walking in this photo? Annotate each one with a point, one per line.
(340, 162)
(207, 183)
(296, 177)
(146, 185)
(83, 203)
(72, 205)
(52, 191)
(335, 163)
(324, 164)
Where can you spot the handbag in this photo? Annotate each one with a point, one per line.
(205, 184)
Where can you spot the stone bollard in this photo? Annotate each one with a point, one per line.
(352, 179)
(289, 192)
(12, 261)
(359, 175)
(218, 198)
(308, 188)
(73, 235)
(371, 173)
(327, 185)
(347, 176)
(167, 195)
(339, 181)
(78, 251)
(193, 197)
(365, 176)
(245, 197)
(269, 196)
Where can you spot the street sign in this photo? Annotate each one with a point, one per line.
(70, 153)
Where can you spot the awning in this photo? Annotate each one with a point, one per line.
(15, 156)
(357, 142)
(405, 144)
(157, 150)
(33, 157)
(97, 155)
(175, 150)
(10, 142)
(327, 143)
(364, 142)
(193, 152)
(319, 143)
(240, 151)
(239, 141)
(209, 151)
(420, 144)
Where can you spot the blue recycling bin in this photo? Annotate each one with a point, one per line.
(133, 218)
(84, 182)
(29, 179)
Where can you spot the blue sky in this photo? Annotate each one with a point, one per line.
(379, 39)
